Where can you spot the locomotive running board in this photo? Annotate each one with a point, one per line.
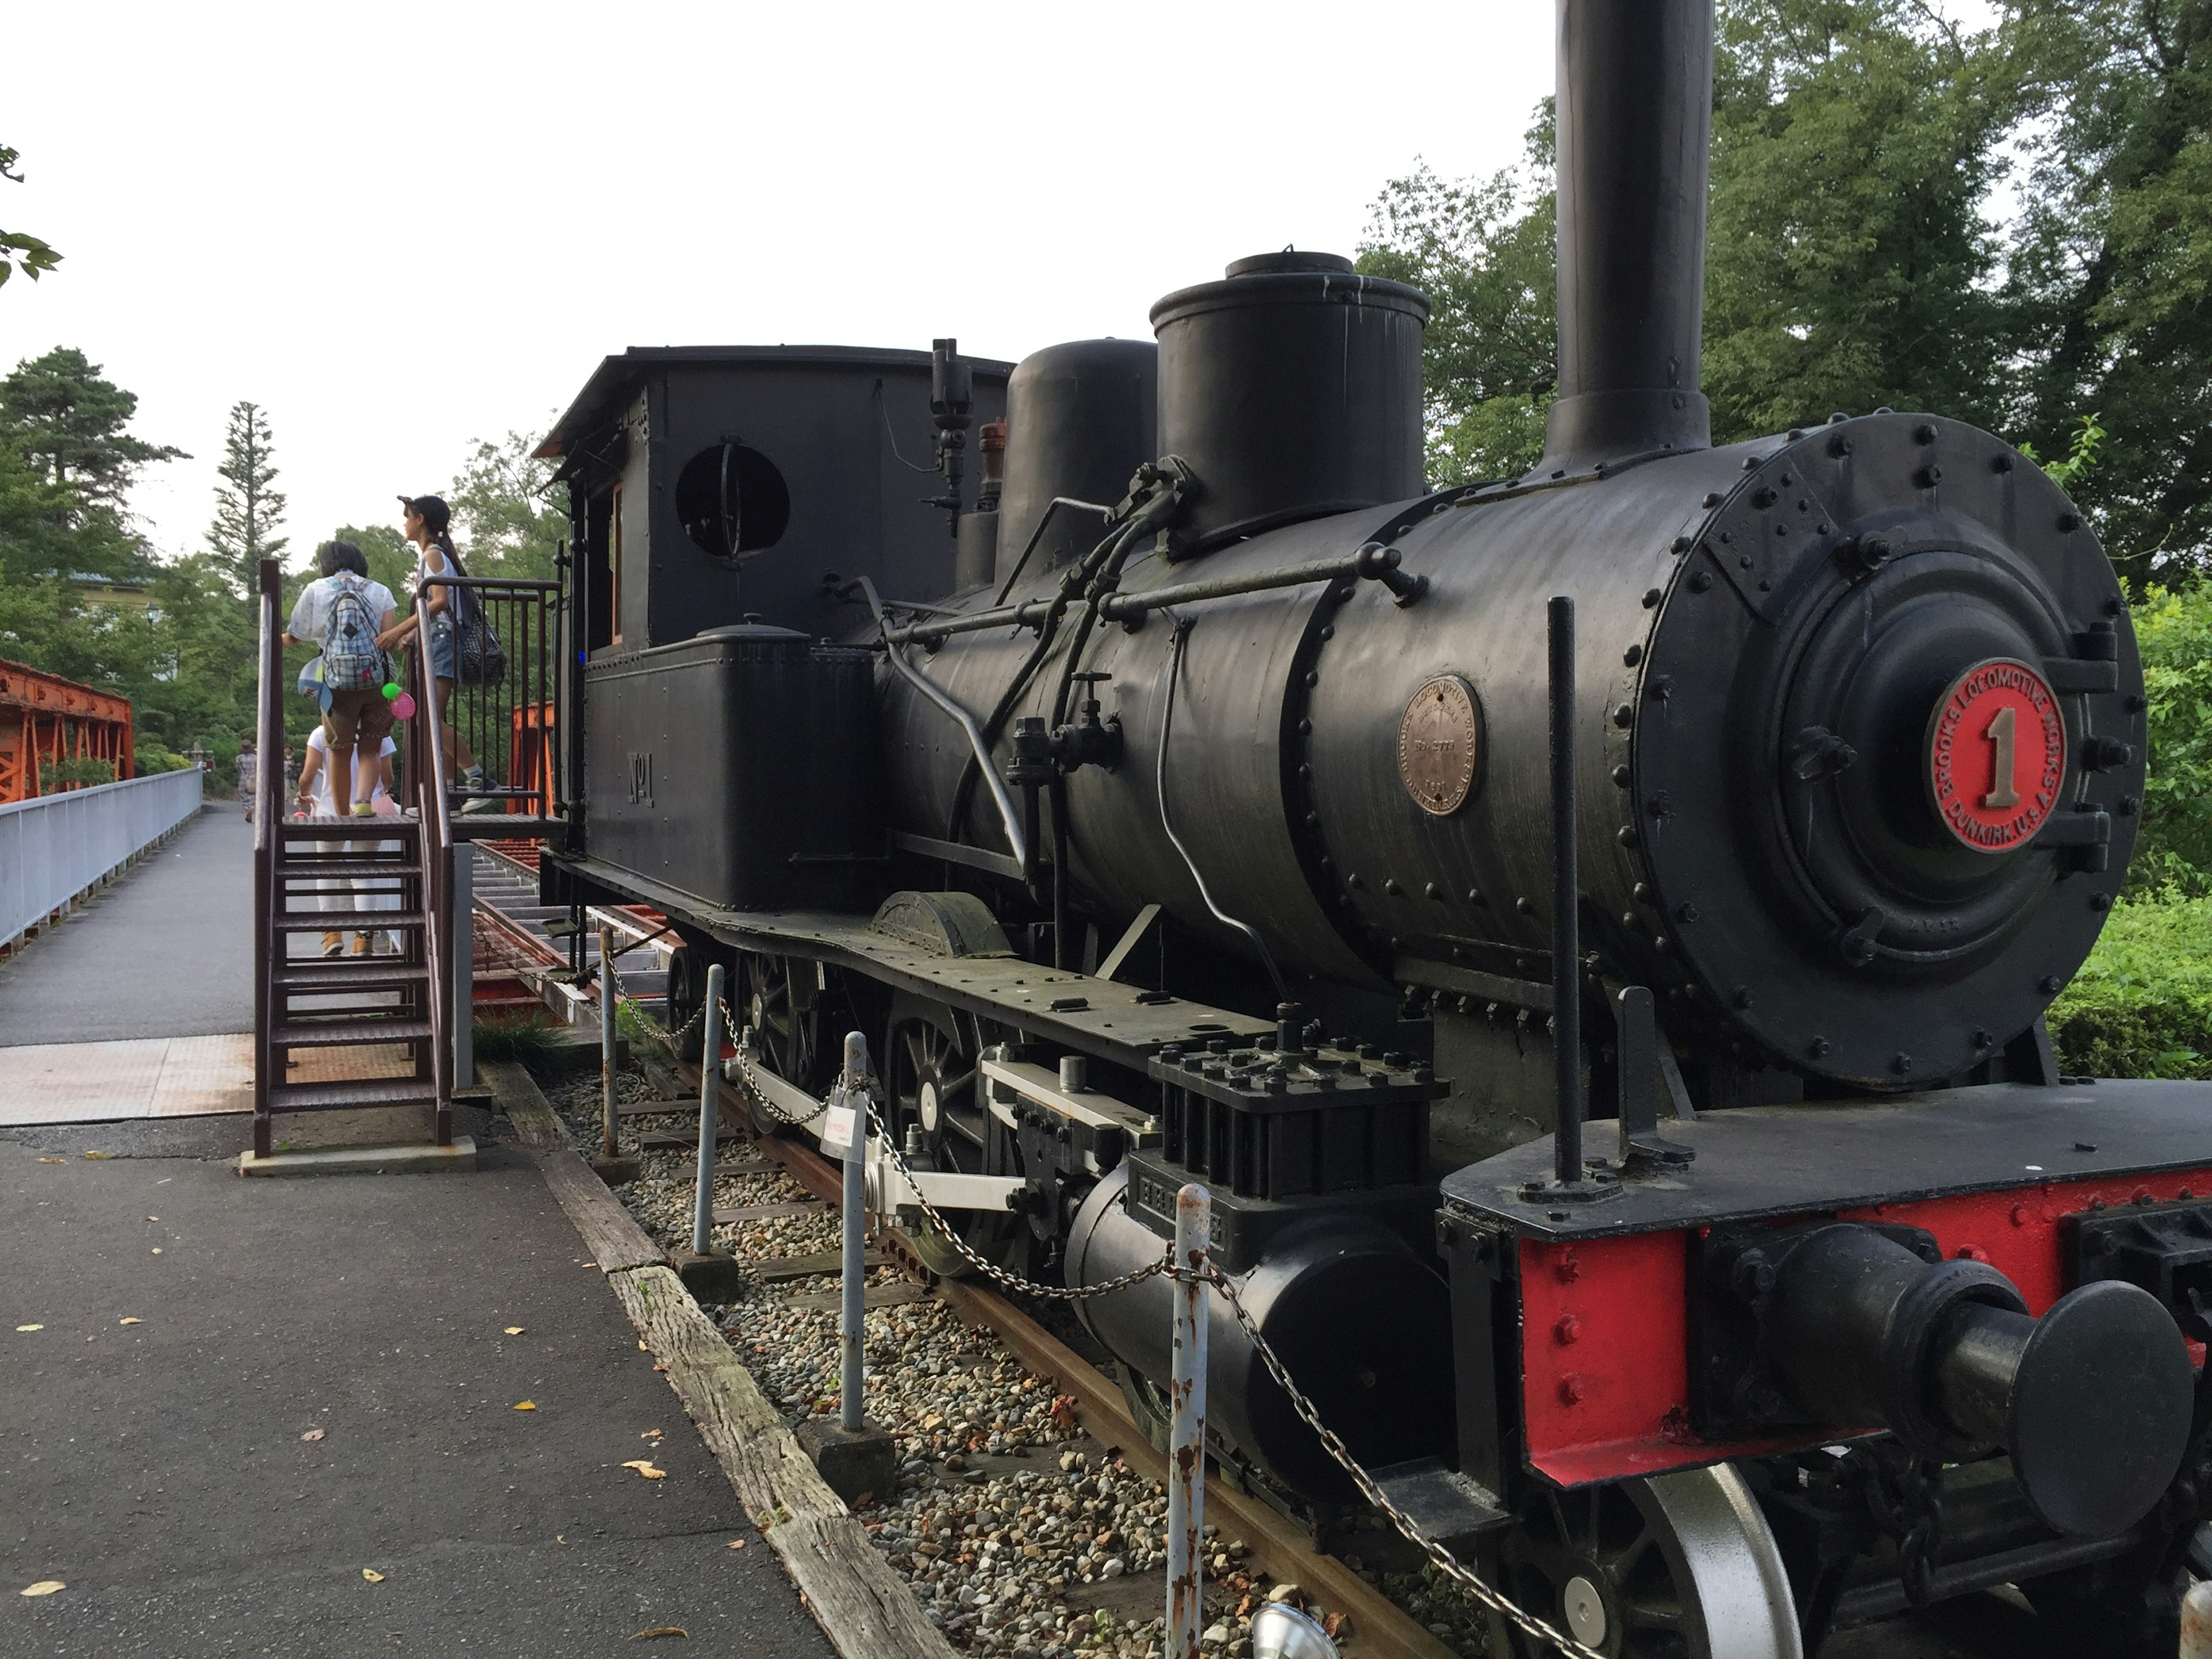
(1121, 1023)
(1759, 1161)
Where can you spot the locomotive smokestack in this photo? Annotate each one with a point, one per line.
(1635, 121)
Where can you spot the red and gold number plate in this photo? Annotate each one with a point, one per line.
(1997, 754)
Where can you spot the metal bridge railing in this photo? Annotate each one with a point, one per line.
(505, 717)
(57, 846)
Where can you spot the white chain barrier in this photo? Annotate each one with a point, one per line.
(1441, 1558)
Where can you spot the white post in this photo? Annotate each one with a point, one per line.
(607, 1142)
(1186, 1433)
(710, 1075)
(854, 1282)
(465, 962)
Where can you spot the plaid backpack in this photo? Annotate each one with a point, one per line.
(351, 661)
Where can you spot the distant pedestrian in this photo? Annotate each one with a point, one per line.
(249, 772)
(344, 613)
(429, 524)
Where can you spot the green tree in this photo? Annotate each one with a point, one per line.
(2112, 272)
(1482, 250)
(69, 421)
(247, 506)
(1850, 264)
(503, 523)
(19, 250)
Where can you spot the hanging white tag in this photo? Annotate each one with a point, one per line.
(837, 1127)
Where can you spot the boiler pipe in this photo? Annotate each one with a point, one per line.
(1373, 562)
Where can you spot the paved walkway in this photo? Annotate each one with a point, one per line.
(166, 952)
(317, 1383)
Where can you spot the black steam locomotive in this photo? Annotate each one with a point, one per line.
(1202, 797)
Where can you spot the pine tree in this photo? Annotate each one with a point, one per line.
(247, 508)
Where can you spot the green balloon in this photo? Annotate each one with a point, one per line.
(390, 692)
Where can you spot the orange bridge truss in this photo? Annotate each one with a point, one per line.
(47, 718)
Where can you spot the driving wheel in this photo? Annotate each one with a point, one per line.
(931, 1086)
(1676, 1566)
(777, 997)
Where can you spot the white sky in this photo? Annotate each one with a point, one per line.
(402, 227)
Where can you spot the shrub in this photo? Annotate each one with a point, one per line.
(71, 774)
(2174, 848)
(2142, 1006)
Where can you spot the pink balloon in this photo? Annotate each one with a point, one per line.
(402, 706)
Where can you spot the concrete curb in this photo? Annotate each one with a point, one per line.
(864, 1607)
(421, 1158)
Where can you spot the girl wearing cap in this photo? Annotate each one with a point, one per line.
(428, 523)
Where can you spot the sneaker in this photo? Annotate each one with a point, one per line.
(359, 947)
(333, 944)
(362, 809)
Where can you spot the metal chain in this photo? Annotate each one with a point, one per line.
(610, 981)
(1011, 1281)
(758, 1096)
(868, 1092)
(1439, 1557)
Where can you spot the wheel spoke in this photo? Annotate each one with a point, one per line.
(955, 1085)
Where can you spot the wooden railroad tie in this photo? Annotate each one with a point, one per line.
(771, 1268)
(876, 1296)
(771, 1212)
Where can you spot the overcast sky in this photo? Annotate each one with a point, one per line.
(402, 227)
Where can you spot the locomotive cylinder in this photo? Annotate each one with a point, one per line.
(1361, 1321)
(1293, 388)
(2091, 1402)
(1080, 418)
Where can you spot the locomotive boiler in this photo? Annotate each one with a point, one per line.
(1590, 930)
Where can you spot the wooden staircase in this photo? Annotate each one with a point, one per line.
(349, 1032)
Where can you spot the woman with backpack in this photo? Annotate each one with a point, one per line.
(346, 614)
(428, 523)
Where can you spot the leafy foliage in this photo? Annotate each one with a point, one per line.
(2142, 1004)
(1849, 264)
(2111, 272)
(503, 522)
(2173, 849)
(18, 250)
(1481, 250)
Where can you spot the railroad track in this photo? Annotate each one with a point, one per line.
(1380, 1629)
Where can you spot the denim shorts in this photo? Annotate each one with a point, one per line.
(442, 648)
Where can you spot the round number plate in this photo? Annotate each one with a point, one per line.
(1997, 755)
(1440, 744)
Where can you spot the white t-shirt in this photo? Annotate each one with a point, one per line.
(314, 608)
(321, 744)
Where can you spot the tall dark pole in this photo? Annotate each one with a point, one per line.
(1634, 117)
(1566, 933)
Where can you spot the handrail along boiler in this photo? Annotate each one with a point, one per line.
(1204, 798)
